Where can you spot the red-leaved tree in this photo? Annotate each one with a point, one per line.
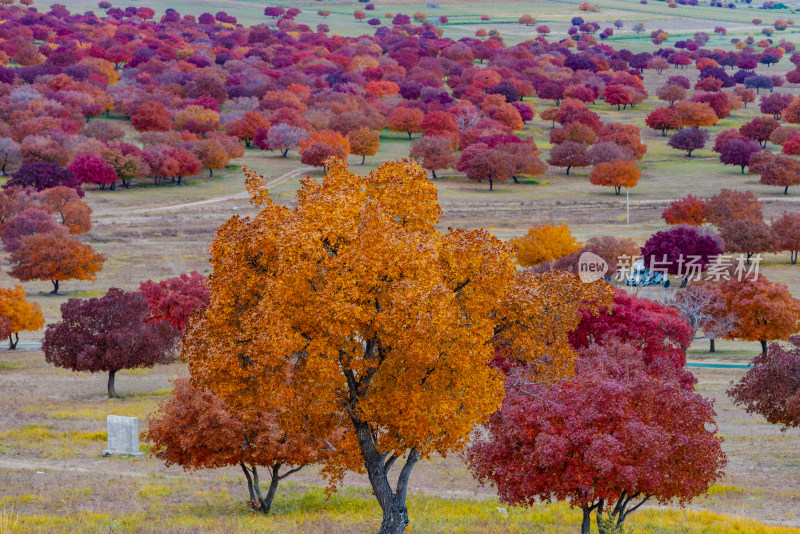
(623, 431)
(175, 299)
(108, 334)
(771, 387)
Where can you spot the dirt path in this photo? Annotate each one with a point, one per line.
(235, 196)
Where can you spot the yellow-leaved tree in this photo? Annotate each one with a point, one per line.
(17, 314)
(544, 242)
(351, 313)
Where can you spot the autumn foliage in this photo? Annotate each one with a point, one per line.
(356, 235)
(17, 314)
(545, 242)
(107, 334)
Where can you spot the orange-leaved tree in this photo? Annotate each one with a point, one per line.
(544, 242)
(56, 257)
(196, 430)
(19, 314)
(352, 308)
(617, 173)
(761, 310)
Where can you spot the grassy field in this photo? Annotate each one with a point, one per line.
(52, 428)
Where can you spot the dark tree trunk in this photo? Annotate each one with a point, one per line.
(112, 394)
(763, 346)
(586, 524)
(712, 347)
(55, 287)
(433, 173)
(491, 185)
(210, 172)
(392, 502)
(568, 168)
(13, 339)
(515, 179)
(684, 281)
(253, 498)
(786, 190)
(363, 158)
(284, 153)
(793, 256)
(742, 169)
(617, 189)
(409, 135)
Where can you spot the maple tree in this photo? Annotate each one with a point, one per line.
(786, 234)
(663, 119)
(174, 300)
(689, 140)
(544, 242)
(781, 171)
(738, 152)
(366, 257)
(696, 114)
(212, 155)
(682, 250)
(569, 154)
(281, 137)
(67, 206)
(247, 127)
(43, 175)
(623, 431)
(770, 386)
(407, 120)
(747, 236)
(28, 222)
(433, 153)
(364, 142)
(762, 310)
(56, 257)
(657, 330)
(91, 168)
(151, 116)
(759, 129)
(483, 164)
(18, 314)
(107, 334)
(687, 210)
(616, 173)
(196, 430)
(728, 205)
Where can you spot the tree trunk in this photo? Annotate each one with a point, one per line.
(712, 348)
(793, 256)
(392, 502)
(684, 281)
(55, 287)
(433, 173)
(273, 487)
(210, 172)
(491, 185)
(617, 189)
(515, 179)
(586, 524)
(763, 346)
(13, 339)
(742, 169)
(112, 394)
(363, 158)
(253, 498)
(786, 190)
(568, 168)
(409, 135)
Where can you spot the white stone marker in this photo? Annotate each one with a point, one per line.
(123, 435)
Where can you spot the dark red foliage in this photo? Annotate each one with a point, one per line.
(657, 330)
(109, 333)
(175, 299)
